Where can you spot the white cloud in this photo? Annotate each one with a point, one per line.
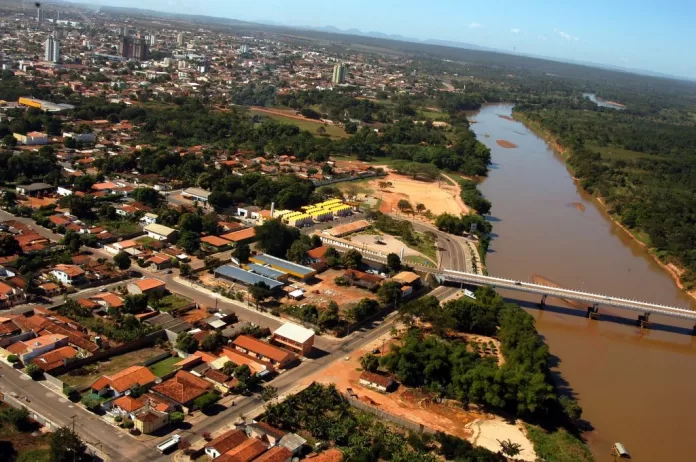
(475, 25)
(565, 35)
(515, 31)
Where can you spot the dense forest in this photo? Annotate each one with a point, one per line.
(641, 162)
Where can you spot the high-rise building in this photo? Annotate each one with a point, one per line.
(244, 49)
(52, 50)
(40, 15)
(152, 40)
(339, 74)
(180, 39)
(136, 48)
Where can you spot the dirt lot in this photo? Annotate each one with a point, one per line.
(88, 374)
(438, 199)
(324, 291)
(388, 244)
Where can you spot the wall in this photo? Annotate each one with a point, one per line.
(408, 424)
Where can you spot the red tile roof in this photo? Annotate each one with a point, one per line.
(125, 379)
(245, 452)
(228, 440)
(148, 284)
(183, 388)
(238, 236)
(262, 348)
(275, 454)
(128, 403)
(215, 241)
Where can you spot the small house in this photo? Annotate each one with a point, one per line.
(378, 382)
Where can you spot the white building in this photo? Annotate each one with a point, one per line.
(81, 137)
(52, 50)
(67, 274)
(61, 191)
(160, 232)
(148, 219)
(31, 138)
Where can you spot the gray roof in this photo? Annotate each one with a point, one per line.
(265, 271)
(246, 277)
(197, 192)
(35, 186)
(292, 441)
(279, 262)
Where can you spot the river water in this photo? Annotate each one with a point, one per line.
(635, 386)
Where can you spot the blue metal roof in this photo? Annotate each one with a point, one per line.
(246, 277)
(283, 264)
(266, 271)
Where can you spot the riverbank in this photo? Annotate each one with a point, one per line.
(673, 269)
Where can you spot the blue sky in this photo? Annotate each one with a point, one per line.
(638, 34)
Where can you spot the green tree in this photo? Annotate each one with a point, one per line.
(189, 241)
(66, 446)
(147, 196)
(210, 223)
(176, 417)
(420, 208)
(13, 359)
(72, 241)
(509, 448)
(91, 402)
(122, 260)
(329, 317)
(18, 417)
(190, 222)
(135, 304)
(389, 293)
(205, 401)
(186, 342)
(9, 245)
(393, 262)
(185, 270)
(351, 259)
(298, 251)
(212, 342)
(369, 362)
(571, 409)
(275, 238)
(269, 393)
(259, 291)
(404, 205)
(34, 371)
(242, 252)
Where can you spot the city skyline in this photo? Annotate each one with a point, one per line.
(644, 35)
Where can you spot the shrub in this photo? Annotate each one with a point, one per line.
(68, 390)
(34, 371)
(128, 424)
(12, 359)
(118, 418)
(176, 417)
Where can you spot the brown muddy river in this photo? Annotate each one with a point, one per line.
(635, 386)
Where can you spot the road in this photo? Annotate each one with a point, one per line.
(114, 443)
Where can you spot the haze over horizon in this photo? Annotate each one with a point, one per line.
(638, 35)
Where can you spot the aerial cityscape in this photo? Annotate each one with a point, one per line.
(238, 241)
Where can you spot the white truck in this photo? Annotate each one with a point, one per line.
(168, 445)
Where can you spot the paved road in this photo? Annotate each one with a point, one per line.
(45, 232)
(114, 443)
(452, 253)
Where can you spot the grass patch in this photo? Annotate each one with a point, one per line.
(418, 260)
(616, 153)
(34, 455)
(88, 374)
(332, 130)
(121, 227)
(425, 245)
(173, 302)
(432, 115)
(558, 446)
(146, 240)
(164, 367)
(22, 444)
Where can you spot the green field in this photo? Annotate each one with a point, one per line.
(173, 302)
(614, 153)
(332, 131)
(164, 367)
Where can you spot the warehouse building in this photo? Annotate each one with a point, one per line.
(238, 275)
(293, 269)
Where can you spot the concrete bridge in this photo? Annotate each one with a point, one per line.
(591, 299)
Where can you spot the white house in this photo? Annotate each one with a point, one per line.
(31, 138)
(68, 274)
(149, 219)
(160, 232)
(81, 137)
(61, 191)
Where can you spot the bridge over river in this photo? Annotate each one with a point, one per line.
(593, 300)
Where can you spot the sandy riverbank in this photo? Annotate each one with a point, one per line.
(506, 144)
(673, 269)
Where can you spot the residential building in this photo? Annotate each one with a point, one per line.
(183, 389)
(246, 235)
(408, 278)
(264, 351)
(160, 232)
(34, 189)
(264, 432)
(293, 269)
(294, 337)
(31, 138)
(149, 219)
(8, 328)
(52, 50)
(146, 286)
(339, 74)
(378, 382)
(225, 442)
(28, 349)
(361, 279)
(180, 37)
(123, 381)
(149, 421)
(215, 244)
(10, 296)
(196, 194)
(68, 274)
(275, 454)
(246, 452)
(255, 365)
(55, 359)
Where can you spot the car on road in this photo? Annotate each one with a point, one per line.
(103, 289)
(169, 271)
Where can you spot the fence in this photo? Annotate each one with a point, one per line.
(405, 423)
